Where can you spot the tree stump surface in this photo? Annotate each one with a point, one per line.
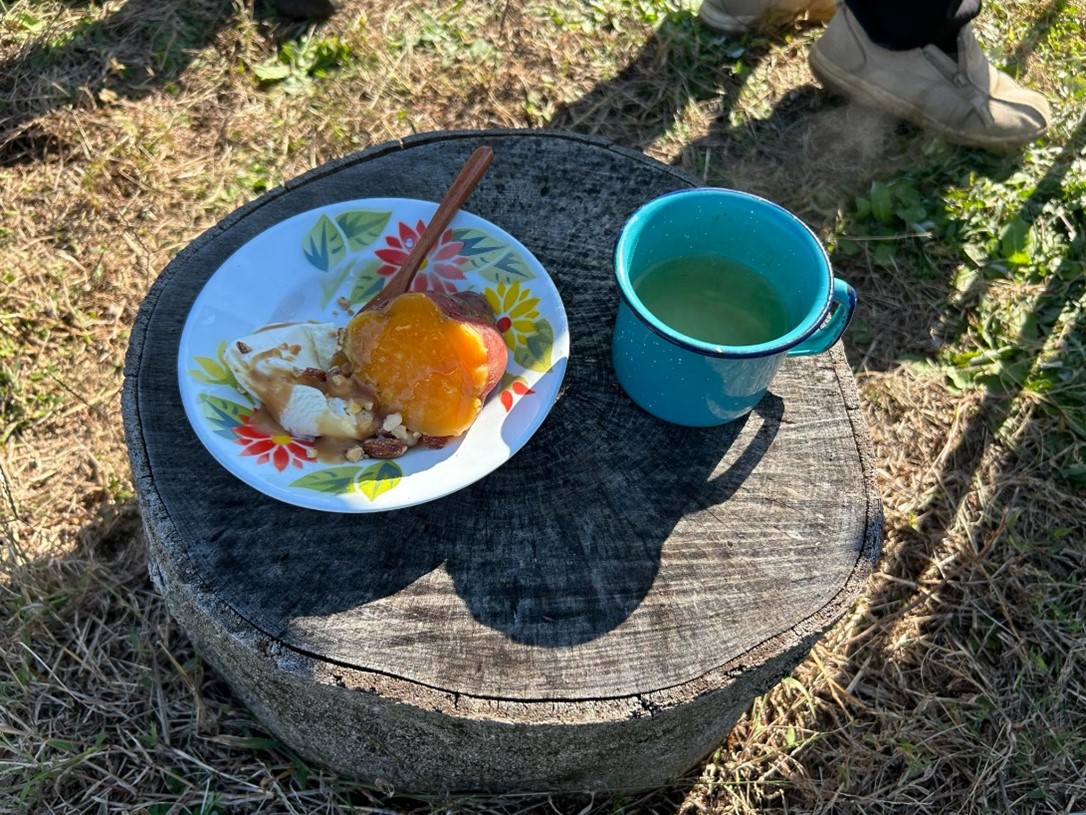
(598, 611)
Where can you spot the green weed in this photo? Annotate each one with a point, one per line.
(301, 61)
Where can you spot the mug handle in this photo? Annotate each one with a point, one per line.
(844, 304)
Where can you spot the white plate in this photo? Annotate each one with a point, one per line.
(306, 268)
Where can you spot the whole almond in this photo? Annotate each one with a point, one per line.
(434, 442)
(384, 447)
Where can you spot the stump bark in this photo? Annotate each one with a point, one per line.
(596, 613)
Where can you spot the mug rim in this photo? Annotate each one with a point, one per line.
(806, 327)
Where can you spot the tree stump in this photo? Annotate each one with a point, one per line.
(596, 613)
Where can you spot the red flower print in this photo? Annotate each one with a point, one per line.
(438, 270)
(519, 388)
(281, 449)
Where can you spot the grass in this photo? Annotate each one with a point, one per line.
(957, 684)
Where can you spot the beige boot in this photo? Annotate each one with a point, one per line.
(737, 16)
(966, 101)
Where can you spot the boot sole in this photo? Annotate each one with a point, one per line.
(726, 23)
(730, 24)
(842, 82)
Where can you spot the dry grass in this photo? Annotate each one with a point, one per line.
(126, 128)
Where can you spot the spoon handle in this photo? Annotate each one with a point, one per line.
(470, 174)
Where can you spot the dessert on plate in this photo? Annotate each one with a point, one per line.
(416, 368)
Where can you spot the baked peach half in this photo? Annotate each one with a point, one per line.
(430, 356)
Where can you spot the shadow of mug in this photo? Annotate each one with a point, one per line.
(569, 576)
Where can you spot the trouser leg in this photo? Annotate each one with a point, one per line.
(905, 24)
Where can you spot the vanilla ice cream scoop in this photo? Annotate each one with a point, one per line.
(287, 367)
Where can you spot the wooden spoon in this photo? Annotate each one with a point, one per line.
(470, 174)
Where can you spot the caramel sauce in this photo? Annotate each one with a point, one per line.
(329, 449)
(273, 388)
(333, 449)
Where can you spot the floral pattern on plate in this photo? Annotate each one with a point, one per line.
(324, 265)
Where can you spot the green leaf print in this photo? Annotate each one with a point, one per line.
(371, 481)
(479, 247)
(361, 228)
(324, 245)
(509, 268)
(223, 415)
(379, 478)
(367, 283)
(332, 480)
(364, 269)
(330, 283)
(214, 370)
(534, 349)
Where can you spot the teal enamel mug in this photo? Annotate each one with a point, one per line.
(716, 287)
